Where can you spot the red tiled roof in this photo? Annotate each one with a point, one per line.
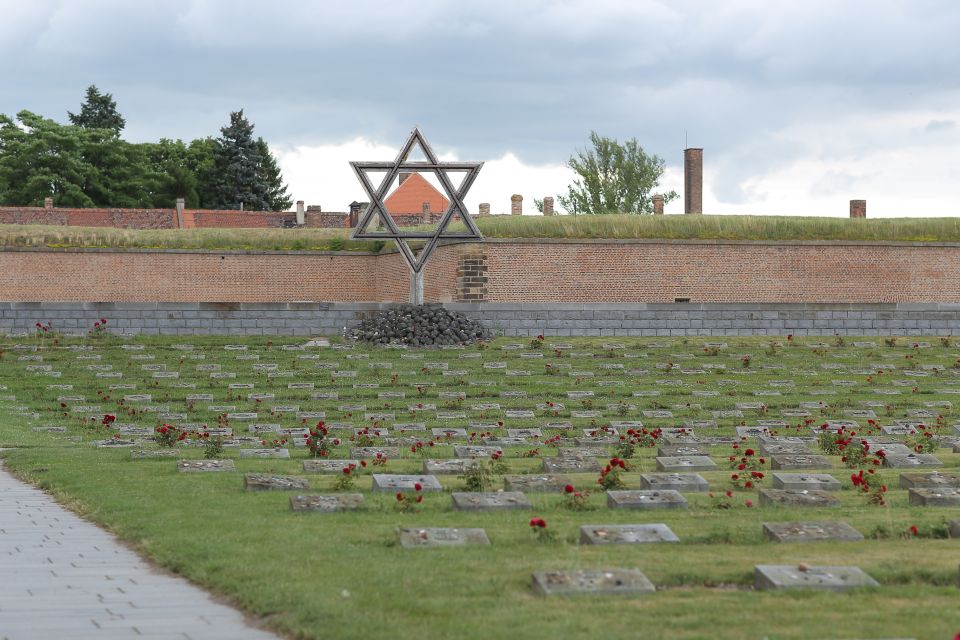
(409, 197)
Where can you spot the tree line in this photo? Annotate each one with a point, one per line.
(86, 163)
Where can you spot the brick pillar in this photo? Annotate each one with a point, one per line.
(484, 209)
(516, 205)
(547, 206)
(657, 204)
(300, 217)
(354, 213)
(693, 180)
(858, 208)
(425, 218)
(48, 203)
(472, 276)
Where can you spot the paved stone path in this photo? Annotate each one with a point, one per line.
(63, 578)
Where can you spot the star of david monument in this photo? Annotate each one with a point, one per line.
(377, 222)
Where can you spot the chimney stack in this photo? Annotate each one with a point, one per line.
(425, 218)
(657, 204)
(858, 208)
(547, 206)
(516, 205)
(48, 203)
(484, 209)
(693, 180)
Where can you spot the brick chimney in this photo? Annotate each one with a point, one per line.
(48, 203)
(858, 208)
(547, 206)
(693, 180)
(516, 205)
(657, 204)
(425, 218)
(484, 209)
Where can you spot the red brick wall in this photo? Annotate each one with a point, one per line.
(125, 218)
(722, 272)
(539, 271)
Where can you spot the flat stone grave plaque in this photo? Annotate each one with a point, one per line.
(190, 466)
(784, 448)
(626, 534)
(932, 480)
(475, 451)
(810, 531)
(801, 481)
(543, 483)
(565, 464)
(327, 503)
(768, 577)
(525, 433)
(265, 453)
(327, 465)
(889, 448)
(266, 482)
(938, 497)
(685, 463)
(596, 582)
(114, 443)
(489, 501)
(651, 499)
(449, 432)
(684, 482)
(658, 414)
(264, 427)
(143, 454)
(582, 453)
(682, 450)
(365, 453)
(441, 537)
(386, 482)
(242, 416)
(797, 498)
(449, 466)
(50, 429)
(912, 460)
(794, 461)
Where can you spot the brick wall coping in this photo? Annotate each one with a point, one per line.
(467, 307)
(530, 241)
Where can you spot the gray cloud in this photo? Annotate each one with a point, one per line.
(485, 78)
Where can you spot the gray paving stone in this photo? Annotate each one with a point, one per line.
(65, 578)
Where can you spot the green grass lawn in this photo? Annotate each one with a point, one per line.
(343, 575)
(619, 227)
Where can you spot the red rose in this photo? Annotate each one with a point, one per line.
(399, 496)
(569, 488)
(749, 503)
(914, 530)
(346, 471)
(417, 486)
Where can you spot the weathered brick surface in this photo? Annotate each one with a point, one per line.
(124, 218)
(520, 272)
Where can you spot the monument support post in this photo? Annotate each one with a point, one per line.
(416, 287)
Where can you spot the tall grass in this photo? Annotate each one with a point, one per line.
(243, 239)
(723, 228)
(618, 227)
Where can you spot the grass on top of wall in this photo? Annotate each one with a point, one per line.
(620, 227)
(39, 235)
(706, 227)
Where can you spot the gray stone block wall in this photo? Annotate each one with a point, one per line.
(607, 320)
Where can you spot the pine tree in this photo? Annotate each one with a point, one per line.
(98, 111)
(238, 180)
(280, 199)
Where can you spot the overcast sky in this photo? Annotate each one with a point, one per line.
(799, 105)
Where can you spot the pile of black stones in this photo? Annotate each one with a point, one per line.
(419, 326)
